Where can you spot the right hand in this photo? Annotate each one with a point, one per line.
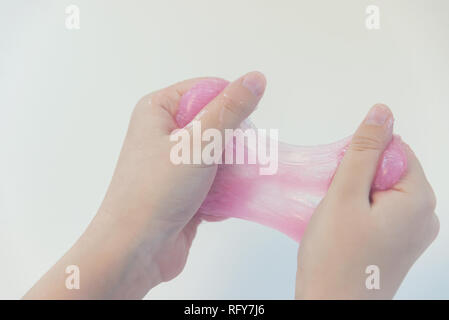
(353, 228)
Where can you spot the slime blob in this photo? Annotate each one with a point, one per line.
(287, 199)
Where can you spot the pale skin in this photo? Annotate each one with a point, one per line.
(145, 226)
(388, 229)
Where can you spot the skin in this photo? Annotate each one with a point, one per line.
(353, 228)
(143, 230)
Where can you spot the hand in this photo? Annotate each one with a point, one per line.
(353, 228)
(144, 228)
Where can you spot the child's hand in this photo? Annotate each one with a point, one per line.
(143, 230)
(148, 190)
(353, 229)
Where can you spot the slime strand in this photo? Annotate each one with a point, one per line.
(286, 200)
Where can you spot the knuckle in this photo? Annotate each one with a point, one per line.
(146, 99)
(425, 201)
(143, 103)
(364, 143)
(435, 226)
(159, 98)
(430, 200)
(231, 105)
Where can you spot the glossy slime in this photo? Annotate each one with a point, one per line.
(286, 200)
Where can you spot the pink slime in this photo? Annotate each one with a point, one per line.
(284, 201)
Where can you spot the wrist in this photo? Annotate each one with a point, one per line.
(125, 253)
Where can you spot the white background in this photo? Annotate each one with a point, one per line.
(66, 97)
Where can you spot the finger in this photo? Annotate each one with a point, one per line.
(196, 98)
(234, 104)
(191, 229)
(208, 218)
(165, 101)
(358, 167)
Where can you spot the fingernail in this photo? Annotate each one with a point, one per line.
(390, 123)
(255, 82)
(378, 115)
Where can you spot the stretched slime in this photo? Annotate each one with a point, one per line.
(286, 200)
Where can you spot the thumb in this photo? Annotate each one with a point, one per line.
(234, 104)
(356, 172)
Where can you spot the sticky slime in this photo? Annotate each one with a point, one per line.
(286, 200)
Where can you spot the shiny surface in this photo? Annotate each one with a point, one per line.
(286, 200)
